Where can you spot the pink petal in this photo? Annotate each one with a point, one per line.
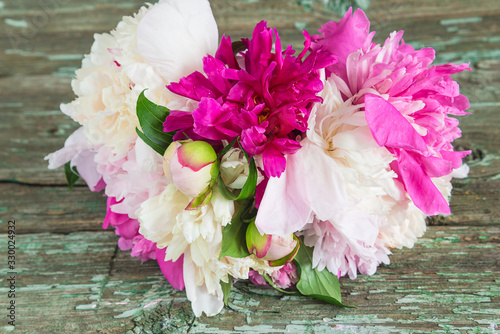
(434, 166)
(178, 119)
(173, 271)
(194, 86)
(213, 69)
(225, 52)
(422, 191)
(213, 121)
(125, 244)
(143, 249)
(455, 157)
(253, 139)
(274, 161)
(389, 127)
(343, 37)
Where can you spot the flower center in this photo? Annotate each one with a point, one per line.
(264, 114)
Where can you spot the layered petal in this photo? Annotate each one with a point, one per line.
(175, 55)
(81, 155)
(311, 184)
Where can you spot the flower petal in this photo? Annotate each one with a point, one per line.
(176, 54)
(389, 127)
(420, 187)
(201, 300)
(173, 271)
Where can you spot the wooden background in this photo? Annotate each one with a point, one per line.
(72, 278)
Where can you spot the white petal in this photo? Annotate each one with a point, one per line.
(223, 208)
(284, 208)
(201, 300)
(461, 172)
(312, 183)
(147, 158)
(158, 215)
(323, 181)
(174, 36)
(74, 144)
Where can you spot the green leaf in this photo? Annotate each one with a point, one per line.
(71, 175)
(151, 118)
(322, 285)
(226, 289)
(233, 236)
(159, 149)
(248, 188)
(228, 147)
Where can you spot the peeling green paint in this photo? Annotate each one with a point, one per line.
(472, 56)
(59, 57)
(485, 161)
(258, 329)
(470, 310)
(129, 313)
(473, 274)
(22, 24)
(443, 298)
(463, 20)
(86, 306)
(481, 246)
(361, 319)
(462, 280)
(493, 178)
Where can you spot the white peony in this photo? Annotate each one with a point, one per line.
(198, 235)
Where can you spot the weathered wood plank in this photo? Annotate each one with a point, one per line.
(51, 209)
(77, 282)
(37, 39)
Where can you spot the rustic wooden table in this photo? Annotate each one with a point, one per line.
(72, 278)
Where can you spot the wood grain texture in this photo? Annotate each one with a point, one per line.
(74, 279)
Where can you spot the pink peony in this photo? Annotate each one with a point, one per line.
(264, 98)
(256, 278)
(128, 230)
(407, 102)
(286, 277)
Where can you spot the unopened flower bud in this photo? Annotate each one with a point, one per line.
(277, 250)
(192, 166)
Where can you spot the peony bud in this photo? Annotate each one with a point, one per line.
(287, 277)
(234, 169)
(257, 278)
(192, 166)
(277, 250)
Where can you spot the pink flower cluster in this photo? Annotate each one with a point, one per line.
(266, 103)
(407, 102)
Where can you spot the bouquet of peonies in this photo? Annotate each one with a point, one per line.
(245, 160)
